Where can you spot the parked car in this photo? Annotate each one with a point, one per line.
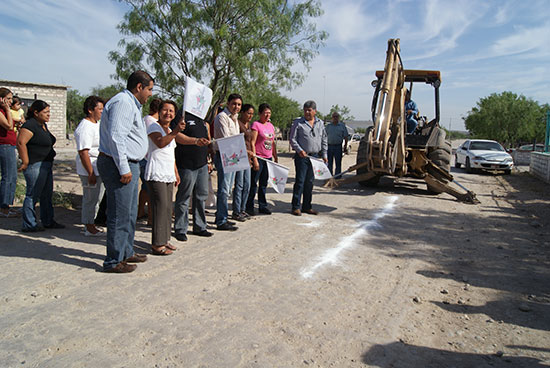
(356, 137)
(539, 147)
(481, 154)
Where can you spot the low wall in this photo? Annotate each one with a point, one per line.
(540, 165)
(521, 157)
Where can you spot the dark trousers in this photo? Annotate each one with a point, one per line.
(160, 197)
(303, 184)
(258, 183)
(335, 154)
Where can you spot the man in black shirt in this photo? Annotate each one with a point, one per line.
(192, 164)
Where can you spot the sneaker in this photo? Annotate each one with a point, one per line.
(238, 217)
(99, 233)
(265, 211)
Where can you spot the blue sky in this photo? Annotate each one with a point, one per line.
(480, 47)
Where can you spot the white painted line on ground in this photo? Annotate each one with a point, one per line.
(331, 256)
(311, 223)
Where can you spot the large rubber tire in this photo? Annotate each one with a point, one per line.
(441, 157)
(457, 164)
(362, 157)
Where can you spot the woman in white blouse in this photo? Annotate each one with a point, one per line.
(161, 175)
(87, 143)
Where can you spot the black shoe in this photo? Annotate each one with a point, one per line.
(231, 223)
(265, 211)
(226, 227)
(54, 225)
(204, 233)
(238, 217)
(250, 212)
(245, 215)
(181, 237)
(33, 229)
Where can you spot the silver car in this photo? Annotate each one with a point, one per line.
(481, 154)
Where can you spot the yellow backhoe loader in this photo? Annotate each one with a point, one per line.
(387, 149)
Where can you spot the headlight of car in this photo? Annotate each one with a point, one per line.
(508, 160)
(479, 158)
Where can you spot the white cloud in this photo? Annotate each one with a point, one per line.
(349, 21)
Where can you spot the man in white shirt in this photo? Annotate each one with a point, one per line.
(225, 125)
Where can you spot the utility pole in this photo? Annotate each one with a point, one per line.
(547, 138)
(325, 94)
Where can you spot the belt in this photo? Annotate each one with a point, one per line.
(106, 155)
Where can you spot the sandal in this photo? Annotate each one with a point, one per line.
(171, 247)
(160, 250)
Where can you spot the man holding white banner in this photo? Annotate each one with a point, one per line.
(225, 125)
(308, 138)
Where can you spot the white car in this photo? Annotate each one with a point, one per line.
(481, 154)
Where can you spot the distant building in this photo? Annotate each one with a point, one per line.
(55, 95)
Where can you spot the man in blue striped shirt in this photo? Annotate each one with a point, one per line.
(122, 144)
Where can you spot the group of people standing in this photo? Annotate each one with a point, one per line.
(34, 144)
(114, 138)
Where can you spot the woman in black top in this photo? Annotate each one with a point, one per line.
(35, 147)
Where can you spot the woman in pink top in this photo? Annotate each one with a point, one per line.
(263, 146)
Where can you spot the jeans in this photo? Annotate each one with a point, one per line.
(91, 196)
(335, 153)
(303, 184)
(122, 201)
(8, 170)
(39, 179)
(225, 182)
(259, 183)
(192, 183)
(241, 190)
(411, 124)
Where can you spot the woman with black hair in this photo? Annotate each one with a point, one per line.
(35, 147)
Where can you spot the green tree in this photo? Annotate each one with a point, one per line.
(283, 109)
(106, 92)
(228, 44)
(507, 118)
(74, 109)
(344, 112)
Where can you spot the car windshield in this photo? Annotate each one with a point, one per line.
(485, 146)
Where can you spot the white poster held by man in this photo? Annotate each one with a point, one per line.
(320, 169)
(233, 153)
(278, 175)
(197, 98)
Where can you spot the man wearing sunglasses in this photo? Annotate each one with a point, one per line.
(308, 138)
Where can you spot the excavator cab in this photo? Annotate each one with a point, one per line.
(425, 129)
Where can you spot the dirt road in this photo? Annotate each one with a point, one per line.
(391, 277)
